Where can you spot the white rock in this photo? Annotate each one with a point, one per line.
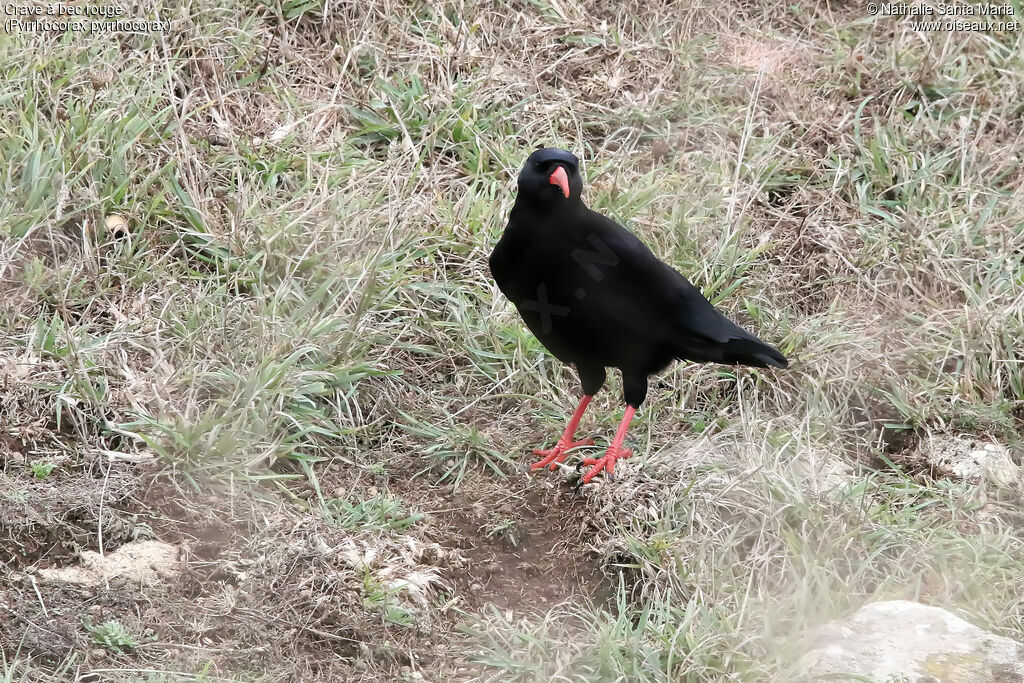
(907, 641)
(144, 562)
(970, 460)
(996, 466)
(823, 474)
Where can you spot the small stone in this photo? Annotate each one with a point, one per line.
(964, 458)
(116, 225)
(659, 149)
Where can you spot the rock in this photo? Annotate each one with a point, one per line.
(143, 562)
(996, 466)
(823, 474)
(970, 460)
(907, 641)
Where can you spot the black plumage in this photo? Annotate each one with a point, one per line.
(597, 297)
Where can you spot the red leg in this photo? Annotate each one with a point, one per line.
(614, 452)
(553, 456)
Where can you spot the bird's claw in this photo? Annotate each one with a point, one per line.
(553, 456)
(606, 462)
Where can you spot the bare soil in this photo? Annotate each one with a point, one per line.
(271, 589)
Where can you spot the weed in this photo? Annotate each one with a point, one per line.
(112, 635)
(41, 470)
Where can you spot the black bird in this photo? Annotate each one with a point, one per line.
(597, 297)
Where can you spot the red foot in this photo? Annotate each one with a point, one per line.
(605, 462)
(553, 456)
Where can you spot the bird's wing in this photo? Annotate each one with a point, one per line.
(505, 261)
(643, 293)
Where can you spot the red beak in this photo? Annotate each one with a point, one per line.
(559, 178)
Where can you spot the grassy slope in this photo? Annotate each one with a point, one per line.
(301, 298)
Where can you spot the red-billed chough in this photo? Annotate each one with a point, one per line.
(597, 297)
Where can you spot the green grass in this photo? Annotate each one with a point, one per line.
(378, 512)
(41, 470)
(113, 636)
(302, 297)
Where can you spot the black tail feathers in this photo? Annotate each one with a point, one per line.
(753, 352)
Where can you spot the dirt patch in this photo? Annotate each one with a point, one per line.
(259, 585)
(48, 522)
(528, 555)
(274, 598)
(523, 543)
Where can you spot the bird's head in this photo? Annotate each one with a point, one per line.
(550, 176)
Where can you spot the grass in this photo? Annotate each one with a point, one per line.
(376, 512)
(112, 636)
(251, 253)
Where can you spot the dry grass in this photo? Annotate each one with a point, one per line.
(246, 311)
